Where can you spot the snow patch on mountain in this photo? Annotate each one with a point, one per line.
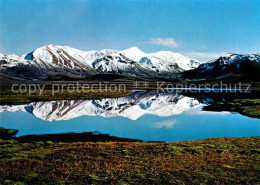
(133, 53)
(165, 61)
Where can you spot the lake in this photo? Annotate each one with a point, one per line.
(145, 115)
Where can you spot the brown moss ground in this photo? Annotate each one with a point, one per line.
(209, 161)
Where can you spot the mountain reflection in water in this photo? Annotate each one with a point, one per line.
(132, 107)
(141, 102)
(145, 115)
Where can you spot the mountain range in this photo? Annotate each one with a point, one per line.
(62, 62)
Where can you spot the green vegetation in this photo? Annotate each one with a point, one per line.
(7, 133)
(247, 107)
(209, 161)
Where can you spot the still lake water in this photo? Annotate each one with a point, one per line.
(145, 115)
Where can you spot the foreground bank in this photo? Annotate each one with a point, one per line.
(218, 161)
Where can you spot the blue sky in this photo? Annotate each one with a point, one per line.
(202, 29)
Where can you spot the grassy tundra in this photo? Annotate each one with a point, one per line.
(209, 161)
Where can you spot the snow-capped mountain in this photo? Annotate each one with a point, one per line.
(133, 53)
(50, 60)
(59, 62)
(132, 107)
(233, 65)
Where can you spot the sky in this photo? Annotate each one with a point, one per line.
(203, 29)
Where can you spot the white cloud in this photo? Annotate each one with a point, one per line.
(169, 42)
(165, 124)
(205, 54)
